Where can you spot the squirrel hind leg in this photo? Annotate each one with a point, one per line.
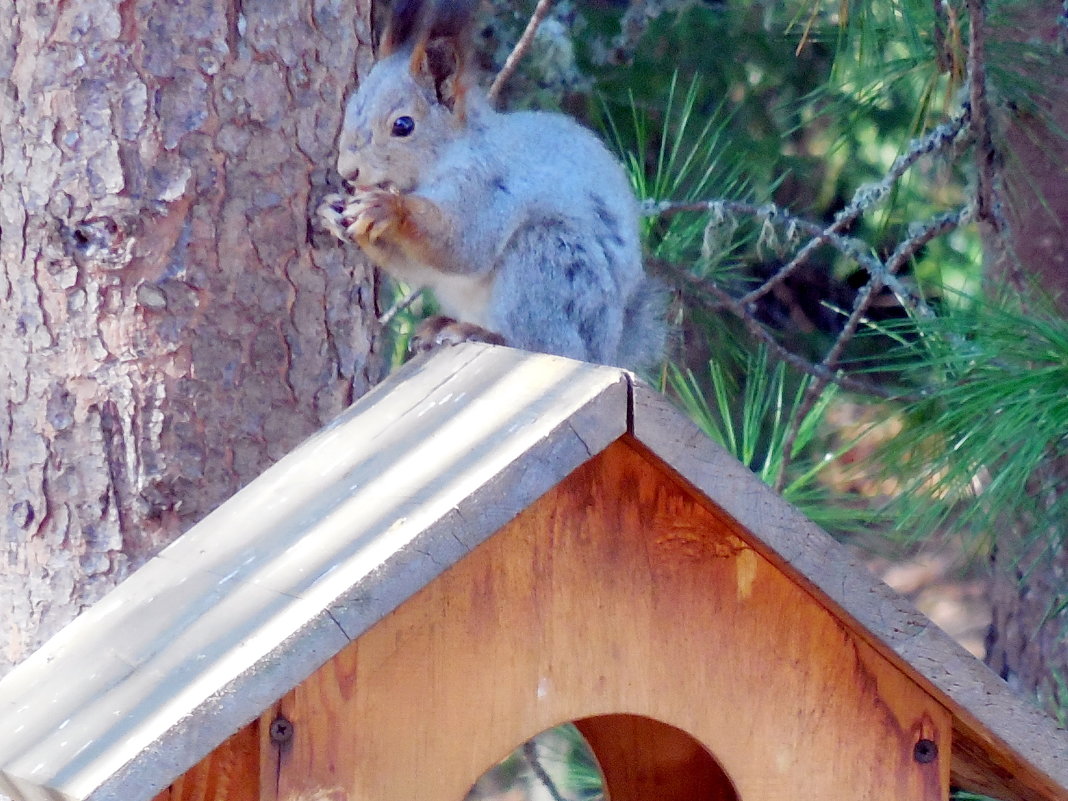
(437, 331)
(556, 293)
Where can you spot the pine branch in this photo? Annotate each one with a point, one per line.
(715, 297)
(937, 140)
(634, 24)
(881, 274)
(776, 216)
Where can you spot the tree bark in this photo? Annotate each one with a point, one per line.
(173, 318)
(1028, 638)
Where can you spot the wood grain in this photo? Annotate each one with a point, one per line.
(1003, 745)
(642, 759)
(660, 580)
(229, 773)
(615, 593)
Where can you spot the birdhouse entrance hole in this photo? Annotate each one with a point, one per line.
(642, 758)
(614, 757)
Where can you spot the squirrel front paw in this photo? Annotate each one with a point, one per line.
(434, 332)
(364, 217)
(332, 213)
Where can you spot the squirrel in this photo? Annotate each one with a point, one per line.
(523, 224)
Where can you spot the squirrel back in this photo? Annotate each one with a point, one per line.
(523, 224)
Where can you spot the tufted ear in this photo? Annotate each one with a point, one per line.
(439, 64)
(400, 21)
(437, 35)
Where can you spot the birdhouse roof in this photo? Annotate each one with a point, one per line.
(253, 599)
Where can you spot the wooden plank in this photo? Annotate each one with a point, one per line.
(616, 592)
(229, 773)
(1004, 746)
(641, 759)
(277, 580)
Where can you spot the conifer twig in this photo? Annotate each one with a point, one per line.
(777, 216)
(714, 296)
(387, 317)
(938, 139)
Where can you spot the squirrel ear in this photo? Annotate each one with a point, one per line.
(439, 66)
(399, 22)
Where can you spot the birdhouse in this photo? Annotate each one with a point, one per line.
(489, 544)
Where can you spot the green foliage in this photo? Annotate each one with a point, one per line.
(569, 748)
(681, 156)
(975, 450)
(557, 763)
(753, 420)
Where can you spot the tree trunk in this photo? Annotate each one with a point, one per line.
(1028, 638)
(174, 319)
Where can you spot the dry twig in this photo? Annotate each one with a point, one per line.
(387, 317)
(520, 49)
(939, 139)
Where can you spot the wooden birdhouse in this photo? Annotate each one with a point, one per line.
(489, 544)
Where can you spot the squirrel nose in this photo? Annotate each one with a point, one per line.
(348, 167)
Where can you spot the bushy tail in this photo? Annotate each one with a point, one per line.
(644, 327)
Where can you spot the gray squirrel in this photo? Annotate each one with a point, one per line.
(523, 224)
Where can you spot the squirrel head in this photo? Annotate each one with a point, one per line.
(410, 106)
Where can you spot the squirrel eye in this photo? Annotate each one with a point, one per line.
(403, 126)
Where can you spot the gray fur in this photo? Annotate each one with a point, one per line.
(534, 222)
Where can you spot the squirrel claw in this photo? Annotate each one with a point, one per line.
(369, 217)
(332, 214)
(361, 218)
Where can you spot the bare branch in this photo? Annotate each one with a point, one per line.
(881, 274)
(777, 216)
(714, 296)
(387, 317)
(921, 234)
(938, 139)
(520, 49)
(530, 753)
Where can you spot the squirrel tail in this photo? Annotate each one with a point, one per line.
(644, 327)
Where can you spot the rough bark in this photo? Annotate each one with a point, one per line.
(173, 319)
(1028, 638)
(1027, 643)
(1034, 157)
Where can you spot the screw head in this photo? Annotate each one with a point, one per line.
(925, 751)
(281, 730)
